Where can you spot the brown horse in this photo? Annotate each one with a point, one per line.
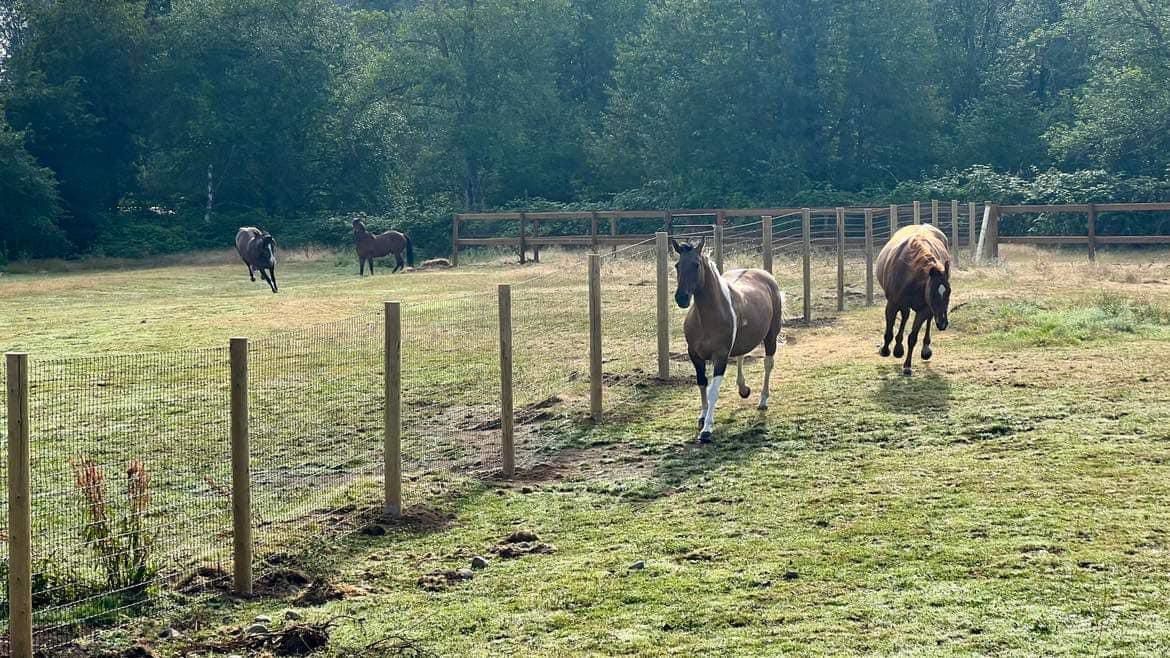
(733, 314)
(914, 270)
(371, 246)
(258, 250)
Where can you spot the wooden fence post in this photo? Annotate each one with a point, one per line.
(241, 475)
(766, 227)
(613, 232)
(593, 231)
(893, 219)
(662, 243)
(806, 233)
(993, 232)
(392, 446)
(869, 257)
(507, 447)
(1092, 225)
(595, 373)
(523, 238)
(917, 212)
(719, 247)
(934, 214)
(955, 232)
(972, 238)
(840, 259)
(455, 240)
(20, 621)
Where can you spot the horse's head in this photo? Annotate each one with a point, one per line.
(268, 248)
(938, 294)
(359, 227)
(690, 269)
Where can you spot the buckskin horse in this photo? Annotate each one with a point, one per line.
(914, 270)
(258, 250)
(732, 314)
(371, 246)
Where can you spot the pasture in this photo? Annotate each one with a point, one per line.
(1009, 498)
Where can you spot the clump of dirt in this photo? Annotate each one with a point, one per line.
(280, 583)
(293, 640)
(437, 581)
(700, 555)
(205, 579)
(322, 591)
(521, 543)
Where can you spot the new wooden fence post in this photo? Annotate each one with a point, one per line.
(662, 242)
(972, 240)
(955, 232)
(1092, 224)
(507, 448)
(593, 230)
(455, 240)
(893, 220)
(840, 259)
(241, 476)
(806, 233)
(993, 232)
(917, 212)
(392, 448)
(869, 257)
(766, 227)
(719, 247)
(934, 214)
(595, 373)
(20, 622)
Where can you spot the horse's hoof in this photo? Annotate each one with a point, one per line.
(899, 351)
(907, 371)
(885, 351)
(763, 406)
(745, 392)
(927, 353)
(704, 437)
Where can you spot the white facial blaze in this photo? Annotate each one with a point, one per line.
(942, 289)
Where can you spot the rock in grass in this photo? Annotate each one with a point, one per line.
(169, 634)
(479, 562)
(262, 619)
(256, 629)
(293, 615)
(638, 566)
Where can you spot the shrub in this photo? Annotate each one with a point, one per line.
(119, 538)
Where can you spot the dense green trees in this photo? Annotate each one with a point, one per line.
(171, 119)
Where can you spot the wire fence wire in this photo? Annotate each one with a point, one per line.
(128, 456)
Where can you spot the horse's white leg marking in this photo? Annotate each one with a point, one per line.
(712, 398)
(768, 361)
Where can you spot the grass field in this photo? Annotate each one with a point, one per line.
(1007, 499)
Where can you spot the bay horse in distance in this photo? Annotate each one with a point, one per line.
(732, 314)
(370, 246)
(258, 250)
(914, 270)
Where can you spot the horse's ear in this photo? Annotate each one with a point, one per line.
(702, 241)
(675, 246)
(947, 269)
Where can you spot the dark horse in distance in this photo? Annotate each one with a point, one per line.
(370, 246)
(258, 250)
(914, 270)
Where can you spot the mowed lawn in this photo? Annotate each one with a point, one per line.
(1008, 499)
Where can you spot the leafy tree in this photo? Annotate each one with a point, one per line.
(28, 194)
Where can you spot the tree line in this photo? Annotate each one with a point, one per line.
(138, 126)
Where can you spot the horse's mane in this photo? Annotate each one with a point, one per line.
(920, 257)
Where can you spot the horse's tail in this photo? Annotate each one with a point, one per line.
(409, 251)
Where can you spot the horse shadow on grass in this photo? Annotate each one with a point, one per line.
(926, 394)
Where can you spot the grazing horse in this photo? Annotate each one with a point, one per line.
(732, 314)
(258, 250)
(914, 270)
(371, 246)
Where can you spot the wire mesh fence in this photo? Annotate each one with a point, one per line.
(127, 465)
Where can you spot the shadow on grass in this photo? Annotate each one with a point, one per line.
(924, 394)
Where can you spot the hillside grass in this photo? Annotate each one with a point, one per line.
(1007, 499)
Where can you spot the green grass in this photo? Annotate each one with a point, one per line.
(1008, 499)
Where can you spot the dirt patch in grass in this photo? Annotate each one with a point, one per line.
(521, 543)
(620, 461)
